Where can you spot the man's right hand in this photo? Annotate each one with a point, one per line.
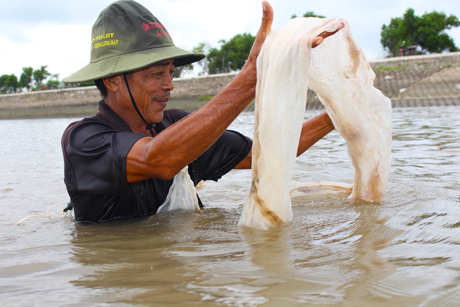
(250, 67)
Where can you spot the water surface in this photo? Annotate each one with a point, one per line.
(402, 252)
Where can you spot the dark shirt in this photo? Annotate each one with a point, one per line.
(95, 151)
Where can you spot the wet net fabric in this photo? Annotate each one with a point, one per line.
(343, 81)
(182, 194)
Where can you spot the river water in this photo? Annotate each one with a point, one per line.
(402, 252)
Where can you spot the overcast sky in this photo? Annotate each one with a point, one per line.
(57, 33)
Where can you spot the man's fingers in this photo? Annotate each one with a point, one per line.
(320, 38)
(327, 34)
(265, 27)
(267, 19)
(317, 41)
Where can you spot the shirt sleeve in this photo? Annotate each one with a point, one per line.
(229, 150)
(95, 158)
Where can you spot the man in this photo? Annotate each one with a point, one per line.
(121, 162)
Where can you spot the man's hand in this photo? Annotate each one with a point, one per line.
(264, 30)
(250, 67)
(320, 38)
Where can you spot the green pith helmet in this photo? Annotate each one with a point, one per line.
(126, 37)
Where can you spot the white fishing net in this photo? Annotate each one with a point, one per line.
(182, 194)
(343, 80)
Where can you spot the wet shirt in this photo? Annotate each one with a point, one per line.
(95, 151)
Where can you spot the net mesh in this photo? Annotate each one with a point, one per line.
(339, 73)
(182, 194)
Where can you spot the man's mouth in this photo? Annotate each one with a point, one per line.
(163, 100)
(162, 103)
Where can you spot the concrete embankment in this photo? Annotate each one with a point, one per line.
(82, 101)
(409, 81)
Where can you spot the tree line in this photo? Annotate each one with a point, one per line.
(30, 79)
(406, 35)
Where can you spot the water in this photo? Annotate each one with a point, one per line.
(403, 252)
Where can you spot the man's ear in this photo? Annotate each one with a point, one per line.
(112, 83)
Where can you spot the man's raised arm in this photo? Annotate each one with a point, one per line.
(178, 145)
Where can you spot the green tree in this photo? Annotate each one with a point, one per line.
(13, 82)
(232, 55)
(8, 82)
(39, 75)
(309, 14)
(3, 81)
(178, 71)
(53, 81)
(431, 29)
(204, 63)
(25, 80)
(216, 60)
(425, 32)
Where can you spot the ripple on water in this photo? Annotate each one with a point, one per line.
(402, 252)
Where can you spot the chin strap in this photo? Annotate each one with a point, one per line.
(149, 126)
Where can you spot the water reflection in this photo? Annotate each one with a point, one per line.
(374, 235)
(180, 257)
(270, 249)
(133, 261)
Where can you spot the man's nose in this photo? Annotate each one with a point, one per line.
(167, 82)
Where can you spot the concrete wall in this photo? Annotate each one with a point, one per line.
(394, 77)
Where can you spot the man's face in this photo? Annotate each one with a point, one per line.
(150, 88)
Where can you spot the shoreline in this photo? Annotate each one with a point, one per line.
(413, 81)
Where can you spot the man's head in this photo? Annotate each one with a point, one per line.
(130, 49)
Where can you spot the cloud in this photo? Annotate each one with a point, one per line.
(57, 33)
(192, 22)
(32, 12)
(64, 50)
(19, 16)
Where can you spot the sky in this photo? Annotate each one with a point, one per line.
(57, 33)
